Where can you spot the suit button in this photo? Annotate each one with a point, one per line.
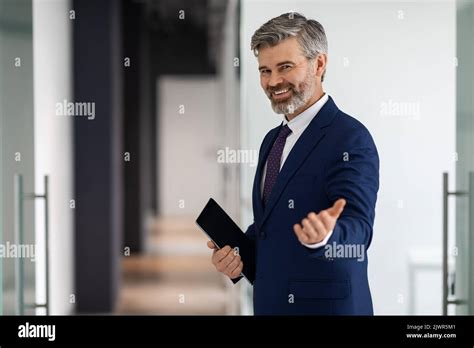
(263, 235)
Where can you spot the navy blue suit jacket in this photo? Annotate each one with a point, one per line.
(334, 158)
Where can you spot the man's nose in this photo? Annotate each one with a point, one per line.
(275, 80)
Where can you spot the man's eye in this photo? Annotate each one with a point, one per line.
(264, 72)
(286, 67)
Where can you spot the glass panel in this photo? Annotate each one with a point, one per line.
(17, 151)
(464, 144)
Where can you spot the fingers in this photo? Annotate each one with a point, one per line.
(236, 272)
(221, 254)
(314, 228)
(327, 220)
(317, 225)
(223, 258)
(226, 260)
(301, 234)
(337, 208)
(233, 265)
(308, 230)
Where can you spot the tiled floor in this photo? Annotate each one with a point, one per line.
(175, 277)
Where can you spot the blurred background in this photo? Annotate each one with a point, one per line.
(119, 119)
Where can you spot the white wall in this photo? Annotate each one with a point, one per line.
(53, 148)
(187, 144)
(379, 52)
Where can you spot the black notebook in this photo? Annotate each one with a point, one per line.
(222, 230)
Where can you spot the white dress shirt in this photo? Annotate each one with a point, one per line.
(298, 125)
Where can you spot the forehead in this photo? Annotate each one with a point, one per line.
(288, 49)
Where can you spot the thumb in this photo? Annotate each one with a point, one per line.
(337, 208)
(211, 245)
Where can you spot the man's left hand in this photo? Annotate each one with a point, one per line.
(315, 227)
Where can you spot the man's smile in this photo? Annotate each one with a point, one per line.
(281, 94)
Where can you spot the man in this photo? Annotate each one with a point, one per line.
(315, 187)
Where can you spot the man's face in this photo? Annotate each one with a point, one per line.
(287, 77)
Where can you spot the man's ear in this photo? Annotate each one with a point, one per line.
(320, 64)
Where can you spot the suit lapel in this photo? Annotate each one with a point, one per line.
(310, 138)
(256, 196)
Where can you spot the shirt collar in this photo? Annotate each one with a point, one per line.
(301, 121)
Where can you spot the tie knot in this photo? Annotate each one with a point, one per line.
(284, 131)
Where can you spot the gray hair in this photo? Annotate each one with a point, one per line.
(309, 33)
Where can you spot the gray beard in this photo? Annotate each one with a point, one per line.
(296, 101)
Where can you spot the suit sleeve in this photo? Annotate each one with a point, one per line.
(353, 174)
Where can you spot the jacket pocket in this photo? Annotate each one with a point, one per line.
(309, 289)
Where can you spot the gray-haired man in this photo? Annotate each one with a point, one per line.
(315, 187)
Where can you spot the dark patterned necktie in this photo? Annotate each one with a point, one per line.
(274, 162)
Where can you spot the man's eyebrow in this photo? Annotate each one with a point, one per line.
(286, 62)
(279, 64)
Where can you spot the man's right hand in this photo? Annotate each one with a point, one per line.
(226, 260)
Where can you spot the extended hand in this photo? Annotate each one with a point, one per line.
(315, 227)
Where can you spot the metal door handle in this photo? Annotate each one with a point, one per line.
(446, 285)
(20, 196)
(18, 230)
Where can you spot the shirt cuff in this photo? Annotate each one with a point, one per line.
(321, 243)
